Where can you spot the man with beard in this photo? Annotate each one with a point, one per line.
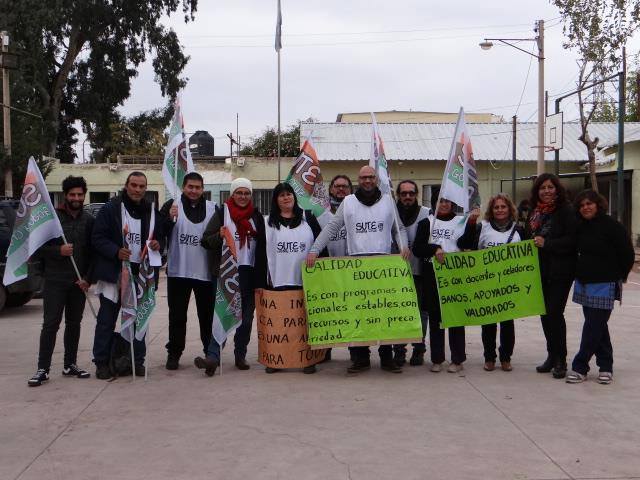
(411, 213)
(187, 270)
(130, 208)
(368, 203)
(63, 290)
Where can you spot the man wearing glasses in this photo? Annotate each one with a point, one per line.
(368, 218)
(411, 213)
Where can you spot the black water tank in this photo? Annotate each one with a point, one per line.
(201, 144)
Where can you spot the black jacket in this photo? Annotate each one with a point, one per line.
(558, 256)
(212, 241)
(106, 238)
(605, 251)
(77, 231)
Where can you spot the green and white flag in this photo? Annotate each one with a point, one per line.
(378, 159)
(227, 315)
(36, 224)
(177, 156)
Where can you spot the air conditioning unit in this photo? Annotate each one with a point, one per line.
(240, 161)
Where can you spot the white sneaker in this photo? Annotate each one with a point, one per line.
(575, 377)
(455, 368)
(436, 367)
(605, 378)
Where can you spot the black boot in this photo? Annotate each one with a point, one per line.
(560, 369)
(546, 366)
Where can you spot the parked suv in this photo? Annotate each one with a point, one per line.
(18, 293)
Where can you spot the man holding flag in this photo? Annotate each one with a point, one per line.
(231, 237)
(124, 229)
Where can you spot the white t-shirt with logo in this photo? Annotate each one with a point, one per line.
(368, 229)
(287, 249)
(447, 232)
(490, 237)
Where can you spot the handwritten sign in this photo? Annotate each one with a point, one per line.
(361, 301)
(490, 285)
(282, 330)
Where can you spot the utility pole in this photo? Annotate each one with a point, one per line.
(540, 163)
(622, 79)
(6, 116)
(514, 156)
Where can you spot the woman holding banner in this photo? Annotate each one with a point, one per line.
(498, 227)
(552, 225)
(289, 235)
(605, 258)
(435, 237)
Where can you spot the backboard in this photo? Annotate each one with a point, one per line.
(553, 131)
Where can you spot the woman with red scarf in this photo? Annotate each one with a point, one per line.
(246, 225)
(552, 225)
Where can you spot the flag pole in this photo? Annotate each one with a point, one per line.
(279, 131)
(75, 267)
(133, 364)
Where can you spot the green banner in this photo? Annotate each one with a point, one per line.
(490, 285)
(361, 301)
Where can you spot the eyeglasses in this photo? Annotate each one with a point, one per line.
(337, 185)
(408, 194)
(242, 194)
(367, 177)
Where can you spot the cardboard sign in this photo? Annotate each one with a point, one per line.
(361, 301)
(282, 330)
(490, 285)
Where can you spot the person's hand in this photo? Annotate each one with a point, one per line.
(311, 259)
(538, 241)
(83, 285)
(406, 253)
(154, 245)
(66, 250)
(474, 215)
(173, 212)
(439, 255)
(124, 254)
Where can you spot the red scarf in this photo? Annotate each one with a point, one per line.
(540, 214)
(241, 217)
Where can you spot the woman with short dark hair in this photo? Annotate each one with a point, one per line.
(552, 225)
(605, 258)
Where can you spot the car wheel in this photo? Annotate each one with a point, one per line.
(18, 299)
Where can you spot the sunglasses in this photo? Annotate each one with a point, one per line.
(408, 194)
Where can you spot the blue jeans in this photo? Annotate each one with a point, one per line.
(105, 326)
(243, 332)
(595, 341)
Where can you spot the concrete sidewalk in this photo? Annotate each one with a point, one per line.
(417, 425)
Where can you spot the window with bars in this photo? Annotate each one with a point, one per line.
(261, 199)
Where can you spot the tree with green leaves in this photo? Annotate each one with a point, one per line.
(607, 111)
(266, 145)
(597, 30)
(78, 59)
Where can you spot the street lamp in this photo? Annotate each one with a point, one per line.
(539, 39)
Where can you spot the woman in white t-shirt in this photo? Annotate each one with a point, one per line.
(498, 227)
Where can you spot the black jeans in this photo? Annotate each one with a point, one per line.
(59, 296)
(178, 296)
(554, 326)
(595, 340)
(363, 354)
(507, 341)
(401, 349)
(105, 326)
(243, 332)
(436, 334)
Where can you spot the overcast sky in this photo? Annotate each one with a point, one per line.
(352, 56)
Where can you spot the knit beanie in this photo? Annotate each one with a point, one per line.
(241, 183)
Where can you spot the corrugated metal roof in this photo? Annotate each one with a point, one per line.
(432, 141)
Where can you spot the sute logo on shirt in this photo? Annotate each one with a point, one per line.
(369, 227)
(494, 244)
(133, 238)
(445, 233)
(291, 247)
(341, 235)
(189, 240)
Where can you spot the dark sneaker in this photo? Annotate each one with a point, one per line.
(310, 369)
(140, 370)
(39, 378)
(73, 371)
(271, 370)
(391, 367)
(546, 366)
(417, 358)
(559, 370)
(173, 362)
(241, 364)
(209, 365)
(400, 358)
(103, 372)
(357, 367)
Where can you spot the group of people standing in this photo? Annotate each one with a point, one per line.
(580, 243)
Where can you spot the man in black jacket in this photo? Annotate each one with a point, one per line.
(187, 269)
(63, 290)
(108, 243)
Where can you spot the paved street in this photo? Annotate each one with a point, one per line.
(243, 425)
